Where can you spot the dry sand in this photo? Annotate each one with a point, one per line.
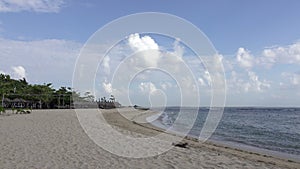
(55, 139)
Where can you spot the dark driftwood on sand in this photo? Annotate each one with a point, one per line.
(181, 145)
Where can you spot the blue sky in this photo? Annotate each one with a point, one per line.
(229, 24)
(258, 40)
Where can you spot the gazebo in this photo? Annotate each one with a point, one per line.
(19, 103)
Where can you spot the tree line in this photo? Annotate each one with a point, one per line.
(44, 95)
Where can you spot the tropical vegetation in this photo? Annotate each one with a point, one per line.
(45, 94)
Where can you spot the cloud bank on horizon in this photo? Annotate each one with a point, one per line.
(39, 61)
(53, 60)
(252, 77)
(248, 76)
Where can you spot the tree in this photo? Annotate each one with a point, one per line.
(64, 96)
(44, 94)
(112, 98)
(89, 97)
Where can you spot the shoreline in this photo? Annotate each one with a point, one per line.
(267, 154)
(239, 151)
(236, 145)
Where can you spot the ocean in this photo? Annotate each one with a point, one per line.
(273, 131)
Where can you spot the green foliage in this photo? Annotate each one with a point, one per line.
(2, 110)
(44, 94)
(89, 97)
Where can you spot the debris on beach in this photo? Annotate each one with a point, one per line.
(181, 144)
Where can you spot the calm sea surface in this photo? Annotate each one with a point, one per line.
(274, 129)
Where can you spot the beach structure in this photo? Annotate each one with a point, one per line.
(110, 103)
(20, 103)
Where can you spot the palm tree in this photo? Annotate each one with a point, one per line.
(112, 98)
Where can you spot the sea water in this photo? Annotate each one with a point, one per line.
(270, 129)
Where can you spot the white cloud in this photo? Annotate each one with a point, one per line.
(138, 43)
(246, 80)
(244, 58)
(201, 82)
(105, 64)
(204, 80)
(281, 54)
(15, 72)
(50, 60)
(257, 84)
(178, 49)
(146, 49)
(147, 87)
(289, 54)
(246, 76)
(238, 83)
(207, 78)
(107, 87)
(166, 85)
(148, 55)
(292, 79)
(296, 79)
(31, 5)
(19, 72)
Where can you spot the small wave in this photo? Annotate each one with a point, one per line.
(275, 129)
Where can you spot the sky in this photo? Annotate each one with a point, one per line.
(257, 41)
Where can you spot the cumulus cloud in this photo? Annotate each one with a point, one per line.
(243, 69)
(281, 54)
(166, 85)
(15, 72)
(105, 64)
(178, 49)
(252, 83)
(291, 79)
(244, 58)
(31, 5)
(289, 54)
(146, 49)
(107, 87)
(147, 87)
(295, 79)
(205, 79)
(246, 80)
(138, 43)
(201, 82)
(19, 72)
(257, 84)
(145, 53)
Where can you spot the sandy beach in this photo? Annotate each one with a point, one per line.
(55, 139)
